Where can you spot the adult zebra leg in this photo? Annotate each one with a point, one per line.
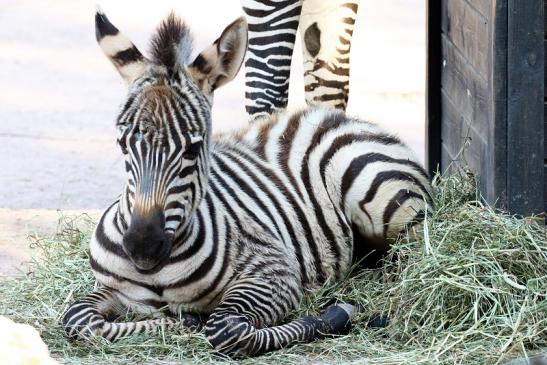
(237, 327)
(326, 28)
(272, 32)
(92, 316)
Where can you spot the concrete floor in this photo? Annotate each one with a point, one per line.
(59, 96)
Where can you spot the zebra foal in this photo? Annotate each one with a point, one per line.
(239, 226)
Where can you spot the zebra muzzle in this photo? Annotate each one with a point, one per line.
(146, 242)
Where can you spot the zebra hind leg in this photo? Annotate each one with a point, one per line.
(92, 316)
(326, 28)
(235, 327)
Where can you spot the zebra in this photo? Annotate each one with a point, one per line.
(326, 29)
(228, 232)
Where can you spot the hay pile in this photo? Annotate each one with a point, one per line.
(472, 290)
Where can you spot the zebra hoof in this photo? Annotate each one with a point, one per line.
(338, 318)
(192, 322)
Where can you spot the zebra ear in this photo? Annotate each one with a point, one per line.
(127, 59)
(220, 62)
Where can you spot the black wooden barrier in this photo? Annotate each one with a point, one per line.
(486, 91)
(545, 110)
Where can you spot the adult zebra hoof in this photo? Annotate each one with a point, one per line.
(338, 317)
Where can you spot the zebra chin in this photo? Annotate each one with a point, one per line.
(151, 266)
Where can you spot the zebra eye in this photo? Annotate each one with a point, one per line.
(138, 134)
(193, 151)
(143, 130)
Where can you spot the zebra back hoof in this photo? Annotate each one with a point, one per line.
(338, 318)
(192, 322)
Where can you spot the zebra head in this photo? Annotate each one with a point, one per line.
(164, 129)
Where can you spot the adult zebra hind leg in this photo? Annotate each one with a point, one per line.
(93, 316)
(238, 326)
(272, 32)
(326, 28)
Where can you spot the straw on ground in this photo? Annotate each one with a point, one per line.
(472, 289)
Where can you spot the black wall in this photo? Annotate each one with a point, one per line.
(485, 99)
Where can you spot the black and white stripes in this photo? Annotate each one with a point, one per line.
(237, 227)
(272, 32)
(326, 28)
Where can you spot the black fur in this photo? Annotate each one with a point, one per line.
(103, 27)
(172, 43)
(312, 39)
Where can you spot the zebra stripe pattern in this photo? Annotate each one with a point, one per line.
(236, 227)
(88, 316)
(272, 33)
(326, 28)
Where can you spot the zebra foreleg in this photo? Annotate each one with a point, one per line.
(235, 333)
(92, 316)
(272, 32)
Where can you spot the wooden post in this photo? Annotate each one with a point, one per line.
(433, 87)
(525, 107)
(486, 69)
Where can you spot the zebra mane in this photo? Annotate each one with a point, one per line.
(172, 43)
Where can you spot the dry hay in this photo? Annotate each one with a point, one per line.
(472, 289)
